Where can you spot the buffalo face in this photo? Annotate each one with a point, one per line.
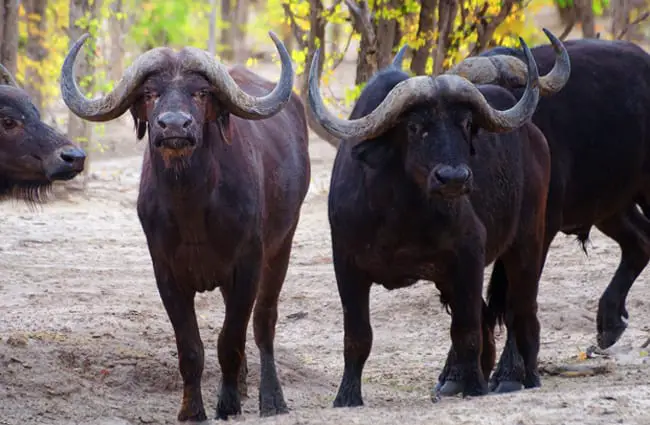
(176, 108)
(174, 95)
(437, 150)
(32, 154)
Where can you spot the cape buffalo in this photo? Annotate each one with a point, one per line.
(32, 154)
(223, 179)
(598, 130)
(434, 179)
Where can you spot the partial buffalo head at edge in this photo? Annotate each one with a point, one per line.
(32, 154)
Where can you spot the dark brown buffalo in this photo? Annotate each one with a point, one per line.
(435, 179)
(598, 130)
(223, 179)
(32, 154)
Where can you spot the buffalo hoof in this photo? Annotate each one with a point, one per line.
(449, 388)
(229, 404)
(184, 416)
(607, 338)
(508, 387)
(348, 399)
(273, 404)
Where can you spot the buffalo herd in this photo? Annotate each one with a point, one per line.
(435, 178)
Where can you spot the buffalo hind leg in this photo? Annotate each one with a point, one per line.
(239, 297)
(180, 310)
(631, 231)
(243, 370)
(465, 369)
(354, 291)
(265, 317)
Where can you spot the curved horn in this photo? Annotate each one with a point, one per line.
(510, 71)
(460, 89)
(239, 102)
(423, 88)
(404, 95)
(399, 57)
(117, 101)
(6, 78)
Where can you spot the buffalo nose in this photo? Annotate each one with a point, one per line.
(174, 120)
(448, 175)
(74, 157)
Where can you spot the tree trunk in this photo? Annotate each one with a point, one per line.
(447, 10)
(586, 14)
(363, 24)
(426, 31)
(386, 30)
(9, 34)
(212, 29)
(36, 52)
(239, 31)
(227, 35)
(117, 28)
(79, 130)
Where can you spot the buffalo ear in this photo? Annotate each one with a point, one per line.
(140, 124)
(375, 153)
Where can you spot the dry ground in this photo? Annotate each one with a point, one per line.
(84, 337)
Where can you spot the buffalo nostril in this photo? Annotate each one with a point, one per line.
(174, 120)
(187, 123)
(452, 175)
(161, 122)
(73, 155)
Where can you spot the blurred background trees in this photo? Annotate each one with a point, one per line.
(36, 34)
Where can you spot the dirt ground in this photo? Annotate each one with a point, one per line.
(84, 338)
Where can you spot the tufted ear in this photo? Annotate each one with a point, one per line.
(376, 153)
(140, 123)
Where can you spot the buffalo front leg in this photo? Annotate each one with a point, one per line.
(465, 373)
(488, 354)
(632, 232)
(354, 291)
(265, 317)
(239, 297)
(179, 305)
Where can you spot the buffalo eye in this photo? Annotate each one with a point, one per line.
(413, 128)
(9, 123)
(150, 96)
(201, 94)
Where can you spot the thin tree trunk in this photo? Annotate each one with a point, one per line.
(36, 52)
(586, 14)
(9, 34)
(117, 28)
(227, 35)
(426, 31)
(239, 31)
(212, 29)
(447, 10)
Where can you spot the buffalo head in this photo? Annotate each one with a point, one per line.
(429, 123)
(176, 95)
(32, 154)
(508, 71)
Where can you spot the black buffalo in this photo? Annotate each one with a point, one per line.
(434, 179)
(598, 130)
(223, 179)
(32, 154)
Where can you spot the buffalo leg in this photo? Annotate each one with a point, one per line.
(265, 317)
(631, 231)
(465, 372)
(488, 354)
(243, 370)
(354, 291)
(239, 298)
(180, 309)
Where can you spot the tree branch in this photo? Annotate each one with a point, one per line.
(633, 23)
(362, 19)
(298, 33)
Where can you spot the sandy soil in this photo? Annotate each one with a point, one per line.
(84, 337)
